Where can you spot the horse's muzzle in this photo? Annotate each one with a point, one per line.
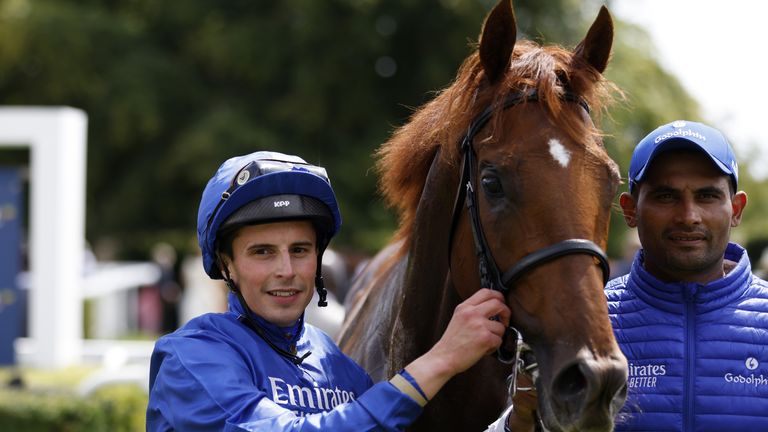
(587, 394)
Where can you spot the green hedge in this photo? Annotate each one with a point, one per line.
(118, 408)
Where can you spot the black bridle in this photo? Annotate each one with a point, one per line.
(490, 276)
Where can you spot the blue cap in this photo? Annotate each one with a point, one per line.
(683, 134)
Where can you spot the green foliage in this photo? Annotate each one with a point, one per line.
(754, 225)
(651, 97)
(115, 408)
(173, 88)
(124, 405)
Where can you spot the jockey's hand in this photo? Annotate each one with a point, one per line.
(470, 335)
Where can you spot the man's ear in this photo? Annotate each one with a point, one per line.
(225, 264)
(738, 202)
(629, 208)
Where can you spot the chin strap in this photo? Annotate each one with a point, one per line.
(247, 320)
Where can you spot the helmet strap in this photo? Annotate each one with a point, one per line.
(225, 273)
(251, 323)
(320, 283)
(231, 285)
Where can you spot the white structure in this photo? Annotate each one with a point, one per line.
(111, 287)
(56, 138)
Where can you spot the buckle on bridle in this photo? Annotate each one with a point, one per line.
(527, 365)
(507, 354)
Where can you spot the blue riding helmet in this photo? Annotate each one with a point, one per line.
(265, 187)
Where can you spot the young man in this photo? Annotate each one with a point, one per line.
(264, 221)
(690, 316)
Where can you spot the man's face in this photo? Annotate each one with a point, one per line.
(684, 212)
(274, 267)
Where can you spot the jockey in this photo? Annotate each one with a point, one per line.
(264, 221)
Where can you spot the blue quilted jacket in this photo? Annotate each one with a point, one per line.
(698, 354)
(216, 374)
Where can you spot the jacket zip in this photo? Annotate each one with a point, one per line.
(690, 356)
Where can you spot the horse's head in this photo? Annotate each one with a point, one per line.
(516, 118)
(539, 175)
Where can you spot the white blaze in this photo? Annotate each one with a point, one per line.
(559, 152)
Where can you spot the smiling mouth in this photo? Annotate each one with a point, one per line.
(283, 293)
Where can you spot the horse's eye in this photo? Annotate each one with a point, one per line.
(492, 185)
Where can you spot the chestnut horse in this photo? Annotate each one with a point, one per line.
(513, 135)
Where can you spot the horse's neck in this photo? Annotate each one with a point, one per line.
(424, 312)
(374, 297)
(401, 305)
(426, 303)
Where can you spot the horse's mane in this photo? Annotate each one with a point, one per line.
(404, 161)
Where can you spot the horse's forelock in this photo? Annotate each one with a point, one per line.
(404, 161)
(551, 70)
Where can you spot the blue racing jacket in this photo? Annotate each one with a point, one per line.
(216, 374)
(697, 354)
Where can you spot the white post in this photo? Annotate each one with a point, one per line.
(56, 138)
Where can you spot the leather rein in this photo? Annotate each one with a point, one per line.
(513, 349)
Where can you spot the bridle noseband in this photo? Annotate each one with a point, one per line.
(490, 276)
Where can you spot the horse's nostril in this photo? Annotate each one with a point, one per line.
(587, 394)
(569, 383)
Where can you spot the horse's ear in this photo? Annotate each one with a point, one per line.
(595, 49)
(498, 40)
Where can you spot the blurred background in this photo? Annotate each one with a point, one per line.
(173, 88)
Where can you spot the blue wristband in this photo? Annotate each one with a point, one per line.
(404, 373)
